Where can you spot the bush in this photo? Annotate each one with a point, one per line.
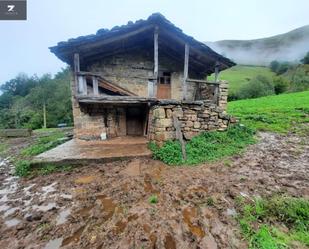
(22, 168)
(257, 87)
(299, 78)
(281, 84)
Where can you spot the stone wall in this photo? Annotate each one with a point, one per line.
(194, 118)
(217, 94)
(132, 71)
(92, 120)
(222, 94)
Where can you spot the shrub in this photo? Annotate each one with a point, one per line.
(299, 78)
(257, 87)
(22, 168)
(281, 84)
(283, 67)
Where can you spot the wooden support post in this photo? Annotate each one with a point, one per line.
(76, 69)
(185, 72)
(85, 86)
(179, 136)
(216, 94)
(95, 86)
(76, 63)
(156, 60)
(217, 71)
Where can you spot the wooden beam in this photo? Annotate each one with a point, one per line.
(95, 86)
(203, 81)
(115, 99)
(156, 60)
(185, 72)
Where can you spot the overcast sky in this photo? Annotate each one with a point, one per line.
(24, 44)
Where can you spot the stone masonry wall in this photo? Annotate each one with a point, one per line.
(92, 120)
(208, 92)
(132, 71)
(194, 119)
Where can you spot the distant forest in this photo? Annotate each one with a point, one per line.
(36, 102)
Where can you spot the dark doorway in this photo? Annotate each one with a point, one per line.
(135, 117)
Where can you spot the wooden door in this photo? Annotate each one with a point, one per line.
(164, 86)
(134, 118)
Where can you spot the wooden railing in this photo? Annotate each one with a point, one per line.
(82, 78)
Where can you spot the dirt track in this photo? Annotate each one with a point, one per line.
(107, 206)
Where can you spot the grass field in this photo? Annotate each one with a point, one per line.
(240, 75)
(279, 113)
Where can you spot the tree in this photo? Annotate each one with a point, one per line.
(36, 102)
(274, 65)
(305, 60)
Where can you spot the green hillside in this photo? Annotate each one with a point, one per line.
(279, 113)
(239, 75)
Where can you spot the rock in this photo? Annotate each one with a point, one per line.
(178, 112)
(169, 113)
(197, 125)
(164, 122)
(190, 134)
(159, 113)
(35, 216)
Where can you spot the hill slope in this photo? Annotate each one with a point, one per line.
(290, 46)
(279, 113)
(240, 75)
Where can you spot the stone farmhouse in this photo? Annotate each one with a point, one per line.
(145, 78)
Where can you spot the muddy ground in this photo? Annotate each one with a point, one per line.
(107, 206)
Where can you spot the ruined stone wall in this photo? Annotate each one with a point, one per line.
(217, 94)
(194, 119)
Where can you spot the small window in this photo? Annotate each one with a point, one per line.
(165, 78)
